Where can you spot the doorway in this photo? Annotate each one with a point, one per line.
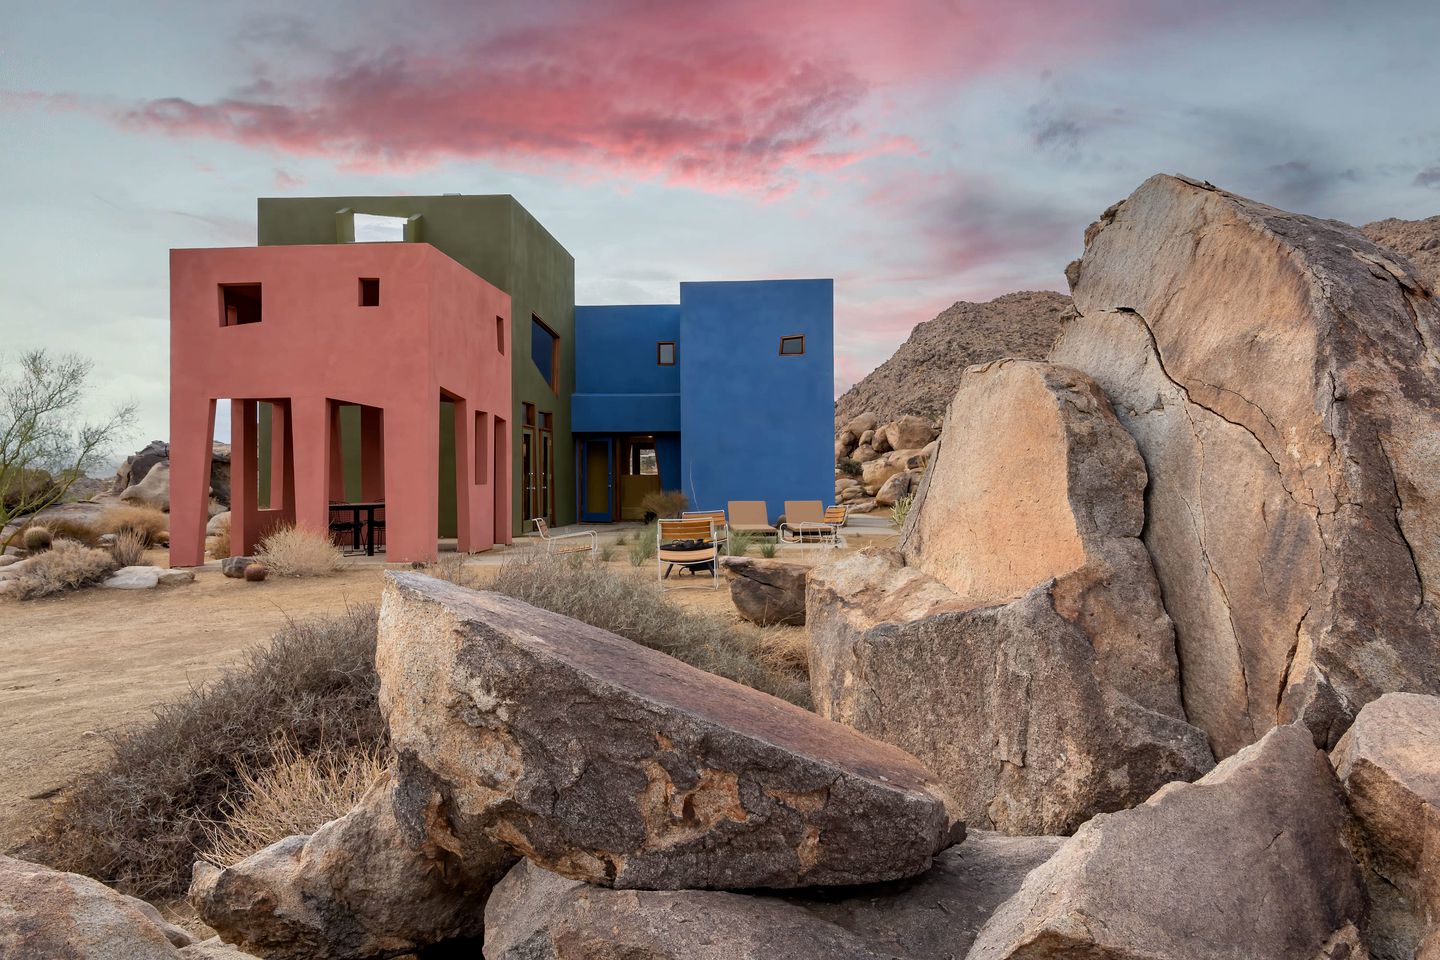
(596, 469)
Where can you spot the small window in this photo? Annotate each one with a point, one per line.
(547, 421)
(369, 292)
(545, 352)
(239, 303)
(529, 409)
(500, 335)
(792, 346)
(481, 446)
(665, 353)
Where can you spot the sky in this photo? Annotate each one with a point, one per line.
(918, 151)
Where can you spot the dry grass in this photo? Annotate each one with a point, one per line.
(295, 794)
(146, 522)
(63, 528)
(65, 566)
(140, 820)
(128, 548)
(297, 552)
(220, 542)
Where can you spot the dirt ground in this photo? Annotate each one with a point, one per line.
(75, 666)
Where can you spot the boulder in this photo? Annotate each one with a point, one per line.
(880, 440)
(909, 433)
(1389, 763)
(767, 592)
(214, 949)
(175, 578)
(47, 914)
(864, 453)
(861, 425)
(1250, 861)
(537, 915)
(360, 886)
(130, 481)
(867, 436)
(217, 523)
(138, 465)
(134, 578)
(610, 762)
(154, 490)
(893, 490)
(1281, 376)
(874, 473)
(866, 505)
(1016, 643)
(856, 492)
(234, 567)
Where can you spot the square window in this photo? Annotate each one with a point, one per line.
(369, 292)
(529, 409)
(665, 353)
(239, 303)
(792, 346)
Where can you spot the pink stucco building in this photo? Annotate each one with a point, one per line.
(393, 329)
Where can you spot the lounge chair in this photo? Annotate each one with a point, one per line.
(721, 527)
(689, 543)
(837, 514)
(750, 516)
(805, 523)
(583, 541)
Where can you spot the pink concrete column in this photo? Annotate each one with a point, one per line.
(244, 478)
(412, 497)
(309, 423)
(192, 425)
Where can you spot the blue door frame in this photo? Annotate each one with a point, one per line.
(586, 446)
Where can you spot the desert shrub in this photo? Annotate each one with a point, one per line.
(849, 466)
(65, 566)
(663, 503)
(901, 509)
(71, 528)
(639, 610)
(645, 544)
(769, 548)
(297, 552)
(296, 793)
(36, 539)
(605, 552)
(147, 522)
(142, 818)
(220, 542)
(128, 548)
(621, 540)
(450, 567)
(739, 542)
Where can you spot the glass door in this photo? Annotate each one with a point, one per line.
(527, 473)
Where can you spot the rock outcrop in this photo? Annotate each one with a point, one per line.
(537, 915)
(358, 887)
(1247, 862)
(612, 763)
(1389, 762)
(144, 477)
(767, 592)
(1016, 643)
(1416, 240)
(1281, 376)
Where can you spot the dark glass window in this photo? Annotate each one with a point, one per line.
(545, 351)
(792, 346)
(665, 353)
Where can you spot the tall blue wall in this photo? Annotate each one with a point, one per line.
(755, 425)
(619, 386)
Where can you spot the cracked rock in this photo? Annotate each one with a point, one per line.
(1016, 643)
(608, 762)
(1249, 861)
(1281, 377)
(537, 915)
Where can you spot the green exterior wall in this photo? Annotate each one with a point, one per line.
(498, 239)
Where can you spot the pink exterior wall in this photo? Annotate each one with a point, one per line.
(315, 347)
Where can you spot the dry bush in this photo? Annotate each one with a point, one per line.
(663, 503)
(70, 528)
(296, 552)
(220, 542)
(295, 795)
(640, 611)
(140, 820)
(147, 522)
(65, 566)
(37, 539)
(451, 566)
(128, 548)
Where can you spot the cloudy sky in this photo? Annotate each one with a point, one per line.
(918, 151)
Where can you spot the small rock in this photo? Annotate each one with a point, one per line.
(256, 572)
(174, 578)
(234, 567)
(133, 578)
(8, 559)
(767, 592)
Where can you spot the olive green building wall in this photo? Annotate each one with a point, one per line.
(498, 239)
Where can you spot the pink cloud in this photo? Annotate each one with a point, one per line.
(285, 180)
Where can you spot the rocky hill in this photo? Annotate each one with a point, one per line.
(1417, 240)
(924, 373)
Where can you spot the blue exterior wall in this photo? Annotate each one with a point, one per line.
(619, 386)
(755, 425)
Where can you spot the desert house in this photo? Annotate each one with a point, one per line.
(426, 354)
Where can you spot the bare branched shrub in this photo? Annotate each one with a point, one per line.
(128, 548)
(65, 566)
(298, 552)
(140, 820)
(295, 794)
(664, 504)
(146, 522)
(640, 611)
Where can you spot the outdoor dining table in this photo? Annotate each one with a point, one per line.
(355, 509)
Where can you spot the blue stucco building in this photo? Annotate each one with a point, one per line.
(727, 395)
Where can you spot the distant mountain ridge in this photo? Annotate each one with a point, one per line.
(924, 373)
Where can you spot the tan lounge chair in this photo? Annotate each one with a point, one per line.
(750, 516)
(702, 553)
(805, 523)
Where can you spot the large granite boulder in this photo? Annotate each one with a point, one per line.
(908, 433)
(1250, 861)
(1281, 376)
(49, 915)
(1016, 642)
(538, 915)
(154, 490)
(1389, 762)
(613, 763)
(358, 887)
(767, 592)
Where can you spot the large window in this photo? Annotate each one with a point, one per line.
(545, 351)
(239, 303)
